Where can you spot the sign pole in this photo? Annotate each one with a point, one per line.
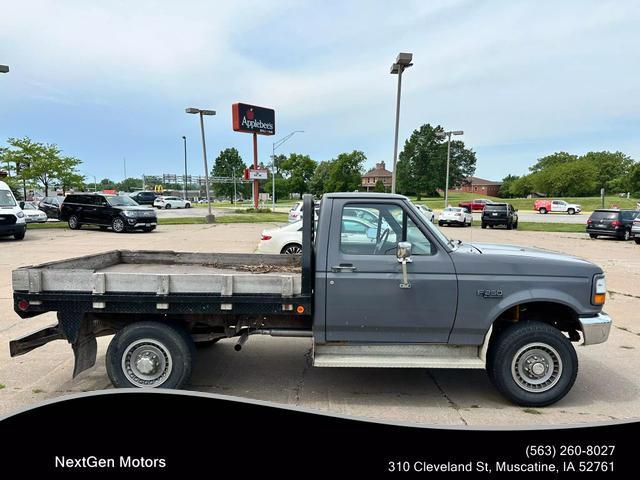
(256, 184)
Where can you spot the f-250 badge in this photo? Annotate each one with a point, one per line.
(489, 293)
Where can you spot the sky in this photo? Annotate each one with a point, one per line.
(109, 81)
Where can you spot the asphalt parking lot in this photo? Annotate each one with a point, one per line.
(278, 370)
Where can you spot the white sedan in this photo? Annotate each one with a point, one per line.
(171, 202)
(287, 240)
(455, 216)
(426, 212)
(32, 214)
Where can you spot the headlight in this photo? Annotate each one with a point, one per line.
(128, 213)
(599, 290)
(20, 214)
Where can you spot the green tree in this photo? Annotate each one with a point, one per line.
(345, 172)
(612, 170)
(298, 170)
(317, 184)
(228, 164)
(43, 163)
(421, 165)
(131, 184)
(507, 184)
(552, 160)
(379, 187)
(634, 180)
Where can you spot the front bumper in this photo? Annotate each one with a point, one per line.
(6, 230)
(595, 329)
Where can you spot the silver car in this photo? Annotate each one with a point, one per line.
(635, 230)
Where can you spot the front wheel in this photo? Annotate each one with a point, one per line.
(167, 206)
(74, 224)
(543, 210)
(509, 225)
(571, 211)
(19, 235)
(593, 235)
(150, 355)
(187, 205)
(515, 225)
(118, 225)
(484, 225)
(532, 364)
(637, 240)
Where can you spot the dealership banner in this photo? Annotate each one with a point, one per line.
(253, 119)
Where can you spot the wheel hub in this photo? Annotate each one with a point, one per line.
(536, 367)
(147, 363)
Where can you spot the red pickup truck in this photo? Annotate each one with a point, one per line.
(477, 204)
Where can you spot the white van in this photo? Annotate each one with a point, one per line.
(11, 215)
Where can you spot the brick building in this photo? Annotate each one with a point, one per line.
(370, 178)
(480, 186)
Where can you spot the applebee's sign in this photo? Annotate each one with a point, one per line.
(253, 119)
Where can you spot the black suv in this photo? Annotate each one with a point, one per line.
(143, 198)
(499, 214)
(120, 213)
(609, 222)
(51, 206)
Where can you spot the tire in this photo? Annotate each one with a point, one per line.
(148, 229)
(169, 348)
(509, 225)
(542, 210)
(187, 205)
(515, 225)
(637, 240)
(19, 235)
(571, 211)
(74, 223)
(626, 236)
(291, 249)
(167, 206)
(483, 225)
(118, 225)
(439, 224)
(542, 345)
(593, 235)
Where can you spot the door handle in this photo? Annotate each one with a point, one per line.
(343, 267)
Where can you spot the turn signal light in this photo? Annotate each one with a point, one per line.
(266, 237)
(300, 309)
(599, 298)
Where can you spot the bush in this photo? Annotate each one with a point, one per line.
(253, 210)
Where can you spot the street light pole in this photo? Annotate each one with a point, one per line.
(273, 165)
(184, 140)
(448, 135)
(403, 61)
(210, 218)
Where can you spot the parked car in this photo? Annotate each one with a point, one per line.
(610, 222)
(635, 229)
(287, 239)
(365, 214)
(496, 214)
(455, 216)
(295, 213)
(32, 214)
(545, 206)
(427, 212)
(121, 213)
(12, 218)
(475, 205)
(51, 206)
(143, 197)
(171, 202)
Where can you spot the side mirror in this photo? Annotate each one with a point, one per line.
(404, 251)
(21, 205)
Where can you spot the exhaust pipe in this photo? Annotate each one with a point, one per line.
(243, 338)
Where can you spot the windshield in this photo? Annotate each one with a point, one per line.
(121, 201)
(495, 207)
(6, 199)
(436, 231)
(604, 216)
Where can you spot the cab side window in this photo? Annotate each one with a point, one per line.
(376, 229)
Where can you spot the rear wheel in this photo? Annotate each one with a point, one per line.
(167, 206)
(292, 249)
(150, 355)
(542, 210)
(74, 223)
(593, 235)
(118, 225)
(532, 364)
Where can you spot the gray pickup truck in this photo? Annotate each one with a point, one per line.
(376, 286)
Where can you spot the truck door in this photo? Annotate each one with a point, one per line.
(365, 301)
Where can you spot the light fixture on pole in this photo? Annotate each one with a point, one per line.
(448, 135)
(273, 166)
(4, 68)
(403, 61)
(184, 140)
(210, 218)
